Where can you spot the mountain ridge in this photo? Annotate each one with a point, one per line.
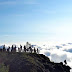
(29, 62)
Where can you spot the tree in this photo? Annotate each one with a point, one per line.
(4, 48)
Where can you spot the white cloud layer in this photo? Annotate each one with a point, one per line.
(57, 52)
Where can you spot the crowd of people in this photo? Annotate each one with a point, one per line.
(26, 48)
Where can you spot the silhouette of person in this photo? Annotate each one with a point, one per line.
(21, 47)
(8, 49)
(24, 48)
(30, 49)
(4, 48)
(34, 50)
(37, 50)
(15, 48)
(12, 49)
(65, 61)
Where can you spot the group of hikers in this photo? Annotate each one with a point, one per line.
(26, 48)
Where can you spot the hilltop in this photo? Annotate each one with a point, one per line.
(29, 62)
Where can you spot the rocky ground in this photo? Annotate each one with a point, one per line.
(27, 62)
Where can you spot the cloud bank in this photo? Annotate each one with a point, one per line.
(55, 51)
(59, 53)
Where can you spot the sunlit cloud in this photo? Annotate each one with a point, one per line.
(58, 54)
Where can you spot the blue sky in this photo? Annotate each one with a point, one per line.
(35, 20)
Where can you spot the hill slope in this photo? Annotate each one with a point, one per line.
(27, 62)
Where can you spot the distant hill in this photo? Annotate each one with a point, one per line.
(27, 62)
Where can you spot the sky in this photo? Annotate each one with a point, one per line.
(39, 21)
(35, 20)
